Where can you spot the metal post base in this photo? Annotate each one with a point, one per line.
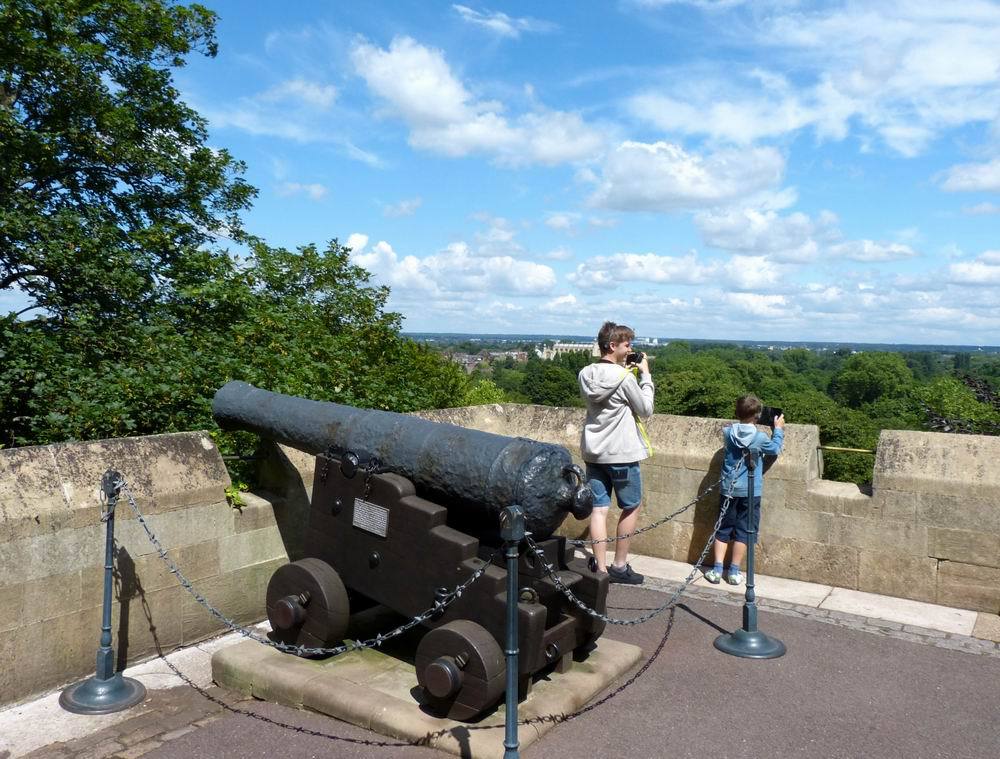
(750, 645)
(94, 696)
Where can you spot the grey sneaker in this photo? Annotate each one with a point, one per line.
(714, 576)
(734, 578)
(625, 576)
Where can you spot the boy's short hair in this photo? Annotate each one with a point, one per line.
(748, 406)
(613, 333)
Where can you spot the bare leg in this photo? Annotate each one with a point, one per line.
(599, 531)
(739, 551)
(627, 523)
(719, 551)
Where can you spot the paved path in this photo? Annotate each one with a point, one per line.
(851, 685)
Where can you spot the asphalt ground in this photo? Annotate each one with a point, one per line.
(838, 692)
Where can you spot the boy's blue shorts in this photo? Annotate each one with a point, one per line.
(734, 523)
(624, 479)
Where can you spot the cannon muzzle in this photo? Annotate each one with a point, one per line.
(478, 473)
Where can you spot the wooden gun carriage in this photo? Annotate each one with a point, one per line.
(404, 510)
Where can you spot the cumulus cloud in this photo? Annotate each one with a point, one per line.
(983, 271)
(403, 208)
(502, 24)
(562, 221)
(662, 176)
(419, 87)
(973, 177)
(791, 238)
(563, 304)
(300, 90)
(559, 254)
(455, 270)
(871, 251)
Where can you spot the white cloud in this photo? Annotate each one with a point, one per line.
(444, 117)
(314, 190)
(983, 271)
(453, 271)
(758, 305)
(662, 176)
(793, 238)
(403, 208)
(562, 221)
(559, 254)
(871, 251)
(610, 271)
(300, 91)
(564, 304)
(973, 177)
(902, 71)
(502, 24)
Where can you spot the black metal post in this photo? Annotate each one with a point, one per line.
(107, 691)
(748, 642)
(512, 532)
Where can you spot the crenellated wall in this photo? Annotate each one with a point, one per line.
(929, 530)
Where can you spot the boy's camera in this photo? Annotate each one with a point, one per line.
(633, 359)
(768, 414)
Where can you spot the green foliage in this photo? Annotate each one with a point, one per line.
(107, 184)
(867, 377)
(950, 398)
(550, 384)
(482, 393)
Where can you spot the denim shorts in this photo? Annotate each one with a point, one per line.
(734, 523)
(624, 479)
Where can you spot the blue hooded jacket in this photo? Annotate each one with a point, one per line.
(738, 438)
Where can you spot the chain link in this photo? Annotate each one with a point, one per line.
(652, 526)
(554, 574)
(439, 605)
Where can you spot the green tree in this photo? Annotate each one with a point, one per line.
(107, 186)
(867, 377)
(482, 393)
(549, 384)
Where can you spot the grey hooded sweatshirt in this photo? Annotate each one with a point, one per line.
(614, 398)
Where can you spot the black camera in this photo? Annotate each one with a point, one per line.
(768, 414)
(633, 359)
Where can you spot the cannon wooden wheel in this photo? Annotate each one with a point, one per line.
(461, 669)
(307, 604)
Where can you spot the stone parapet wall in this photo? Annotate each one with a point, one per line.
(52, 546)
(928, 530)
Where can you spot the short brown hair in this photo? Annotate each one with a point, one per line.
(613, 333)
(748, 406)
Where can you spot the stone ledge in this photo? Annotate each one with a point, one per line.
(372, 691)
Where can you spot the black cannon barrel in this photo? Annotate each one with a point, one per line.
(480, 471)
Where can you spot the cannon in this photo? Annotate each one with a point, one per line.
(404, 509)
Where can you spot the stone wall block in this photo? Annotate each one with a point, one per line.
(898, 574)
(48, 654)
(53, 554)
(969, 586)
(836, 498)
(811, 526)
(239, 595)
(959, 512)
(879, 535)
(32, 498)
(805, 560)
(895, 505)
(256, 512)
(177, 528)
(11, 604)
(962, 466)
(248, 548)
(50, 597)
(966, 546)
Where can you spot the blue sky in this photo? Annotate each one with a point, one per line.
(770, 169)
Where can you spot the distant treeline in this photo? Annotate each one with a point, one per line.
(850, 396)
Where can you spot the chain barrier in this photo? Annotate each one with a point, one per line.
(439, 605)
(653, 525)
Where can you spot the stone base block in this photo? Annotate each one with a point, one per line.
(379, 692)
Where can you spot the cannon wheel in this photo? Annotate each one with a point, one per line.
(461, 668)
(307, 604)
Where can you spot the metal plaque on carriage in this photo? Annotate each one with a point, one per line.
(371, 517)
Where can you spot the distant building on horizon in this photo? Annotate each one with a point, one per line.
(547, 354)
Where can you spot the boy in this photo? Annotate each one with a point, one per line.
(740, 439)
(613, 444)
